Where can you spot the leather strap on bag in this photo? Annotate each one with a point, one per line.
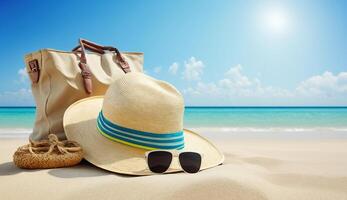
(85, 71)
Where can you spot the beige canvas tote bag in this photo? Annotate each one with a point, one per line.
(60, 78)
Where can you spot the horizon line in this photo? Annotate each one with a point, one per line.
(221, 106)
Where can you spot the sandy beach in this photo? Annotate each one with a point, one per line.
(253, 169)
(248, 96)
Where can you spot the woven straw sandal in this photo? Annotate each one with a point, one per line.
(50, 153)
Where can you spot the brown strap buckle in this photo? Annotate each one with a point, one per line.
(34, 72)
(123, 64)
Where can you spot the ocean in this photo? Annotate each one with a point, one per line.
(18, 121)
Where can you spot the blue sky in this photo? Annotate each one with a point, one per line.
(215, 52)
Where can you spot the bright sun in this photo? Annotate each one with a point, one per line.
(276, 21)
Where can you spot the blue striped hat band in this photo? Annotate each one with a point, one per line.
(139, 139)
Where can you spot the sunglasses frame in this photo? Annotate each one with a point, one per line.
(174, 153)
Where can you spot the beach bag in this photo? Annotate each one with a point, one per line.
(61, 78)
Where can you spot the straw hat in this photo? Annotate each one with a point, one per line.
(143, 111)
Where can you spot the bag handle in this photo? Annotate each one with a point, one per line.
(85, 71)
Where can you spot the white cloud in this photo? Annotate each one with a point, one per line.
(203, 88)
(235, 78)
(236, 83)
(174, 68)
(190, 91)
(157, 70)
(325, 85)
(193, 69)
(237, 88)
(21, 97)
(18, 97)
(234, 87)
(23, 75)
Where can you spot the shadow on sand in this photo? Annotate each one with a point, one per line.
(8, 168)
(84, 169)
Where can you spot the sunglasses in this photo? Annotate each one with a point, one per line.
(159, 161)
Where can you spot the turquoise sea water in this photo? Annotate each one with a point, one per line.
(21, 119)
(287, 117)
(17, 117)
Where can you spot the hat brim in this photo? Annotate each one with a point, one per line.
(80, 126)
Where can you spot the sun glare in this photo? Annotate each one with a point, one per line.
(276, 21)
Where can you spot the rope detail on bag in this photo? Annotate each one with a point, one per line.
(52, 144)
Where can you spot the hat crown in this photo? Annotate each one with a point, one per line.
(139, 102)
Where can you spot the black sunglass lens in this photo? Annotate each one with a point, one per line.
(190, 161)
(159, 161)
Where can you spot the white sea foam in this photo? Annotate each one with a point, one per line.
(25, 132)
(272, 132)
(15, 132)
(271, 129)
